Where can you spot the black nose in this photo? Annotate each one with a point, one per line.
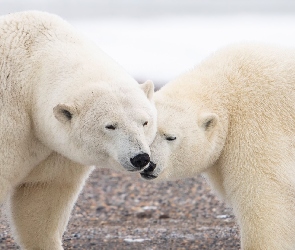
(140, 160)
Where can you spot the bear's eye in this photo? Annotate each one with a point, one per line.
(110, 127)
(145, 123)
(170, 138)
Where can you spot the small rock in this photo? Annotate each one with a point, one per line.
(164, 216)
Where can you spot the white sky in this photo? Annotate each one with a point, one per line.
(163, 47)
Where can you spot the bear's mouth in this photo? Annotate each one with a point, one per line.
(147, 172)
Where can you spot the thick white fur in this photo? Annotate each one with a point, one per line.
(58, 92)
(233, 118)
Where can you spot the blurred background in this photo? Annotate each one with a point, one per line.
(159, 39)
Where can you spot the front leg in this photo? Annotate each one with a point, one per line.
(40, 207)
(264, 204)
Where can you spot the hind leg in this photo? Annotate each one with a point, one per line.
(40, 207)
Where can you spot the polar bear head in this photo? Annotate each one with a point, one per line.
(187, 138)
(107, 126)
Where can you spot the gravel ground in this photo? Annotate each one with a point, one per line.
(118, 211)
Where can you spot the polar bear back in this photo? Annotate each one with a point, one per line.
(46, 43)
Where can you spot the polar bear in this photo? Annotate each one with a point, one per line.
(232, 119)
(65, 106)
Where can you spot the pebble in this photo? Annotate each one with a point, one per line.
(123, 212)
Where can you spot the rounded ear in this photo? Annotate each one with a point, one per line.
(148, 89)
(63, 113)
(208, 121)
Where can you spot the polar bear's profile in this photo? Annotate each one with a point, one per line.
(232, 119)
(65, 106)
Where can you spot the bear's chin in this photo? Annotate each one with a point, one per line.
(147, 176)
